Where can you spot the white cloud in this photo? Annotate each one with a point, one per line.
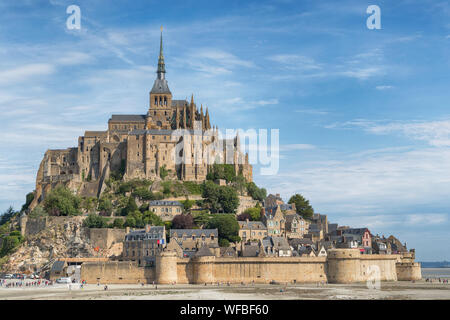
(74, 58)
(363, 73)
(385, 87)
(370, 183)
(297, 146)
(311, 111)
(25, 72)
(435, 133)
(296, 62)
(385, 221)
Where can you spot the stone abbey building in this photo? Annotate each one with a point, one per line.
(174, 134)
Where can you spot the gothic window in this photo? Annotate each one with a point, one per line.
(165, 102)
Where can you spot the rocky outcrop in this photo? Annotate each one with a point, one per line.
(60, 239)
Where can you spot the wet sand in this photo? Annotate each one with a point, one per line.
(388, 290)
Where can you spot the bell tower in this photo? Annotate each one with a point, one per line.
(160, 104)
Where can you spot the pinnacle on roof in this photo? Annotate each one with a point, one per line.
(161, 85)
(161, 65)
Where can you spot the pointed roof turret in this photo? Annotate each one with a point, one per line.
(160, 85)
(161, 65)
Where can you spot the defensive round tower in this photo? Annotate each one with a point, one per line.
(166, 267)
(344, 266)
(408, 271)
(203, 265)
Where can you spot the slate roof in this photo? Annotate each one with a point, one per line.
(356, 231)
(160, 86)
(204, 252)
(290, 217)
(280, 243)
(196, 232)
(155, 232)
(252, 225)
(313, 227)
(164, 203)
(228, 252)
(128, 117)
(58, 266)
(250, 251)
(286, 207)
(296, 242)
(179, 103)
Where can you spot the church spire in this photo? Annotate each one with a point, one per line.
(161, 66)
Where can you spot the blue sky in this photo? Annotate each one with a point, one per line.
(363, 114)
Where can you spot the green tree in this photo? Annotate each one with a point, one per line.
(89, 203)
(187, 204)
(37, 212)
(239, 183)
(224, 243)
(118, 223)
(149, 217)
(183, 221)
(10, 242)
(302, 206)
(130, 207)
(62, 202)
(256, 193)
(221, 171)
(227, 225)
(229, 199)
(130, 222)
(7, 215)
(95, 221)
(163, 172)
(220, 198)
(105, 206)
(255, 213)
(28, 199)
(201, 219)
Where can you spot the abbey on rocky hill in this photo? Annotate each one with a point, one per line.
(141, 146)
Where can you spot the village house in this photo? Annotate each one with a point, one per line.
(252, 230)
(273, 201)
(190, 240)
(166, 210)
(274, 220)
(296, 226)
(315, 232)
(321, 221)
(276, 247)
(143, 245)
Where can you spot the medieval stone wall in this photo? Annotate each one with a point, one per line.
(116, 272)
(104, 238)
(341, 266)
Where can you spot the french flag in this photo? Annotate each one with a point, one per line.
(160, 241)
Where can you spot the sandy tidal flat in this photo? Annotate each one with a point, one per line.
(388, 290)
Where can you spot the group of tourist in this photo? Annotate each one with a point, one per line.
(26, 284)
(436, 280)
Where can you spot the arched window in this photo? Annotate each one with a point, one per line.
(165, 101)
(156, 101)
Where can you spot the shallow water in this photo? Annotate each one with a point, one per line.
(436, 273)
